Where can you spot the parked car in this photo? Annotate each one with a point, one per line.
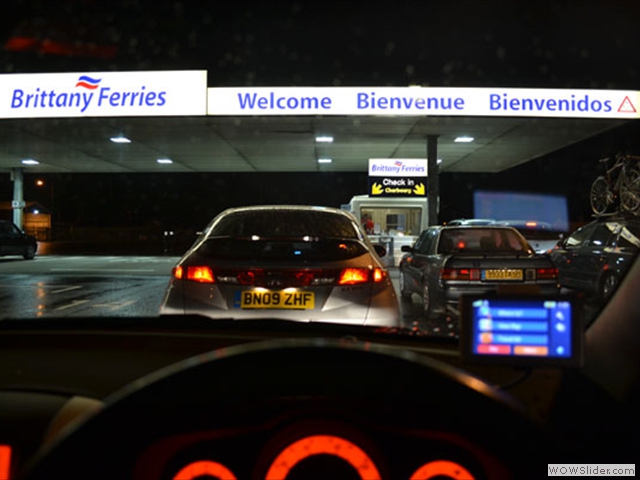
(448, 261)
(14, 241)
(540, 235)
(302, 263)
(595, 257)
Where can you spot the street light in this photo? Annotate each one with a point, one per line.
(41, 183)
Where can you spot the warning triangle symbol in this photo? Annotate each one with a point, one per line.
(626, 106)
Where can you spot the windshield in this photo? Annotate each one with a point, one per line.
(478, 240)
(117, 171)
(268, 223)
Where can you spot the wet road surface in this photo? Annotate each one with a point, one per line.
(124, 286)
(78, 286)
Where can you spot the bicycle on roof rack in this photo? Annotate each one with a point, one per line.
(620, 183)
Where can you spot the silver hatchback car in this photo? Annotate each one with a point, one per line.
(302, 263)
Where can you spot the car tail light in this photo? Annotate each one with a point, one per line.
(247, 277)
(378, 275)
(283, 278)
(195, 273)
(289, 278)
(462, 274)
(177, 272)
(354, 276)
(547, 273)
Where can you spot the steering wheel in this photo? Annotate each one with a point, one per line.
(266, 380)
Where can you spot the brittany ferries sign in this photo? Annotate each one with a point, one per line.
(418, 101)
(103, 94)
(178, 93)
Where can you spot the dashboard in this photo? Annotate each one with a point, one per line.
(171, 404)
(324, 439)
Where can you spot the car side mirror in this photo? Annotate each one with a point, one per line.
(406, 249)
(380, 250)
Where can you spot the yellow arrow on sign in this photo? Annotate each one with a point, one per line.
(419, 189)
(376, 189)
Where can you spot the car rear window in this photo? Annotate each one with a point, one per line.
(274, 250)
(285, 223)
(477, 240)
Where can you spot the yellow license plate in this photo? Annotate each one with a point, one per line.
(502, 275)
(294, 300)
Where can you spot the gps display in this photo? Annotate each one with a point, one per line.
(521, 330)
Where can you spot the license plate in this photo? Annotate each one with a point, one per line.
(297, 300)
(502, 274)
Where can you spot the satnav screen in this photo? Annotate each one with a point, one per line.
(526, 328)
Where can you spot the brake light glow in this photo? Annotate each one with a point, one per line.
(378, 275)
(547, 273)
(353, 276)
(304, 277)
(200, 274)
(531, 224)
(178, 272)
(283, 278)
(247, 277)
(460, 274)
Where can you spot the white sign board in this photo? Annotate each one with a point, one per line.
(425, 101)
(397, 167)
(103, 94)
(397, 177)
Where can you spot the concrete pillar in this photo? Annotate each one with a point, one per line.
(433, 180)
(18, 196)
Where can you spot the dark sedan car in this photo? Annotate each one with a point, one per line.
(595, 257)
(13, 241)
(448, 261)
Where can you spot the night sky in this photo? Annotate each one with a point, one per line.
(550, 44)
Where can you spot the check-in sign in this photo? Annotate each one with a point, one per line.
(104, 94)
(397, 177)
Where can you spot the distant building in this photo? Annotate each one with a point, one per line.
(36, 219)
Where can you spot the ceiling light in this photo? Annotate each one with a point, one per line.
(325, 160)
(464, 139)
(164, 161)
(120, 139)
(30, 161)
(324, 139)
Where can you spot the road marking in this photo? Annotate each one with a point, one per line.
(65, 289)
(74, 303)
(103, 270)
(113, 305)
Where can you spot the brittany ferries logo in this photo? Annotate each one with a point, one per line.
(411, 167)
(88, 93)
(88, 82)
